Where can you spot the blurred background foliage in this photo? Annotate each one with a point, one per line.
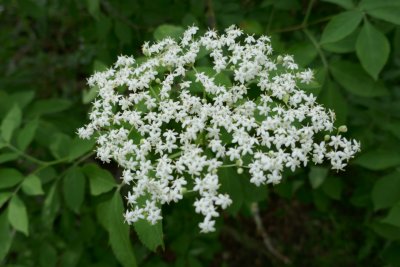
(59, 206)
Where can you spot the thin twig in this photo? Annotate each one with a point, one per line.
(267, 240)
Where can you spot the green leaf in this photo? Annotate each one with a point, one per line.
(386, 230)
(167, 30)
(8, 157)
(387, 10)
(317, 176)
(347, 4)
(341, 26)
(26, 135)
(372, 49)
(60, 145)
(230, 184)
(4, 197)
(100, 181)
(354, 79)
(11, 122)
(89, 95)
(5, 236)
(51, 206)
(150, 235)
(9, 177)
(379, 159)
(304, 53)
(17, 215)
(332, 98)
(386, 191)
(74, 188)
(119, 232)
(393, 218)
(346, 45)
(80, 147)
(32, 186)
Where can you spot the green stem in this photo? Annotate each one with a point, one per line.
(317, 47)
(26, 156)
(308, 12)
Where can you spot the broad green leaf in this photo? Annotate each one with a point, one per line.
(8, 157)
(11, 122)
(231, 185)
(393, 218)
(385, 230)
(304, 53)
(80, 147)
(332, 187)
(26, 135)
(317, 176)
(119, 232)
(167, 30)
(341, 26)
(60, 145)
(387, 10)
(89, 95)
(355, 80)
(4, 197)
(32, 186)
(150, 235)
(51, 206)
(379, 159)
(386, 191)
(9, 177)
(100, 181)
(346, 45)
(372, 49)
(347, 4)
(17, 215)
(5, 235)
(332, 98)
(74, 188)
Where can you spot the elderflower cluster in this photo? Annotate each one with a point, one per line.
(171, 123)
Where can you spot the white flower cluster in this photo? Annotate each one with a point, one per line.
(171, 124)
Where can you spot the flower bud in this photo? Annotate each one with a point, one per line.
(327, 138)
(239, 162)
(240, 170)
(342, 129)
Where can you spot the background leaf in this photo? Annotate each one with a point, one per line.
(341, 26)
(100, 181)
(17, 215)
(11, 121)
(386, 191)
(119, 232)
(74, 188)
(32, 185)
(372, 49)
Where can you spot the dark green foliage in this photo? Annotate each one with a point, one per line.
(59, 206)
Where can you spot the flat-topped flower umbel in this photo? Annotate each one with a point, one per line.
(171, 123)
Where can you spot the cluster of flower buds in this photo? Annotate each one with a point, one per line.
(172, 121)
